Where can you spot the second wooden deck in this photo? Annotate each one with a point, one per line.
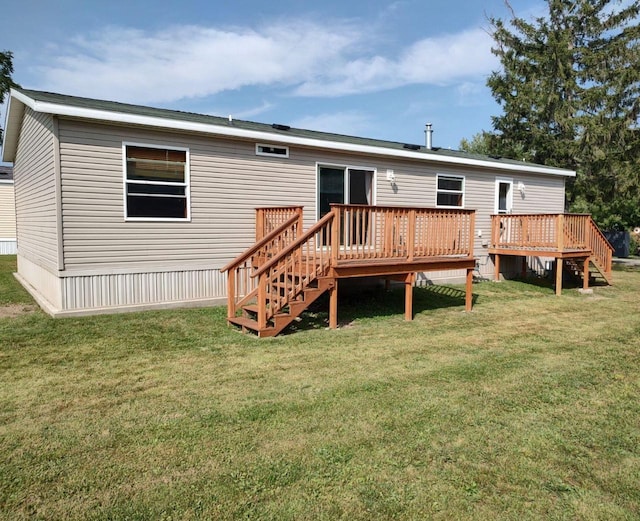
(564, 237)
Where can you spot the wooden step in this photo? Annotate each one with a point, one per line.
(251, 325)
(577, 269)
(251, 308)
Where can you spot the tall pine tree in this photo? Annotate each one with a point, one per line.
(6, 69)
(569, 87)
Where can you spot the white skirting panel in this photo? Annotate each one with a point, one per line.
(142, 289)
(8, 247)
(483, 271)
(41, 283)
(441, 277)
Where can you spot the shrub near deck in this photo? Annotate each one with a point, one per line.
(526, 408)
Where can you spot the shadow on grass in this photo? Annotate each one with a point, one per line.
(377, 303)
(569, 281)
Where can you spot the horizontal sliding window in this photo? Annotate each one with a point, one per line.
(450, 191)
(272, 150)
(156, 183)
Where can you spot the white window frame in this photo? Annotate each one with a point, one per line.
(260, 152)
(346, 168)
(463, 191)
(503, 180)
(186, 184)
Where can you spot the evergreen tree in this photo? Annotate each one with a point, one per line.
(6, 69)
(569, 87)
(478, 144)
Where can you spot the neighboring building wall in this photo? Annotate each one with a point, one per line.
(109, 262)
(7, 218)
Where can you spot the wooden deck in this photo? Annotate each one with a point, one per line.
(574, 240)
(286, 270)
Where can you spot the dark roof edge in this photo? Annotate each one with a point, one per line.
(60, 104)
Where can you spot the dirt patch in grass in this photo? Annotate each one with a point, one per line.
(15, 310)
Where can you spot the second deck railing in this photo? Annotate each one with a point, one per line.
(551, 232)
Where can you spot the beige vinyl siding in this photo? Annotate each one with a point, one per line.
(35, 190)
(542, 194)
(7, 211)
(228, 180)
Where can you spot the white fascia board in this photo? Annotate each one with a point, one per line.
(13, 118)
(6, 181)
(135, 119)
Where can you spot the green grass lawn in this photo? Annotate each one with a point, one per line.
(526, 408)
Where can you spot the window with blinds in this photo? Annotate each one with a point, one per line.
(156, 183)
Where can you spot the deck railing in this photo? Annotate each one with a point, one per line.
(379, 232)
(359, 232)
(271, 218)
(551, 232)
(284, 261)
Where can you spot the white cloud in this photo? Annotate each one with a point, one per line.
(435, 61)
(471, 94)
(190, 61)
(307, 58)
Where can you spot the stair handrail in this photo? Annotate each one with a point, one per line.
(260, 244)
(607, 259)
(294, 245)
(270, 298)
(235, 276)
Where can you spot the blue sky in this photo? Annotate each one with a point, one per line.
(374, 68)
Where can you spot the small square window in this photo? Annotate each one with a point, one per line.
(450, 191)
(156, 183)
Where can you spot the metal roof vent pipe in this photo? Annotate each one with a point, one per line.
(429, 135)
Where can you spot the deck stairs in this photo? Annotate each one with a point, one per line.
(285, 273)
(600, 264)
(597, 273)
(284, 311)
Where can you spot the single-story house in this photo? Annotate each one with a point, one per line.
(125, 207)
(7, 212)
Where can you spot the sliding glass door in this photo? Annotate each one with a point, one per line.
(343, 185)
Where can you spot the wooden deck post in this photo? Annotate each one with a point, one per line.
(411, 235)
(560, 232)
(472, 233)
(585, 273)
(299, 211)
(468, 298)
(259, 224)
(231, 293)
(408, 296)
(335, 235)
(559, 264)
(333, 305)
(262, 301)
(496, 264)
